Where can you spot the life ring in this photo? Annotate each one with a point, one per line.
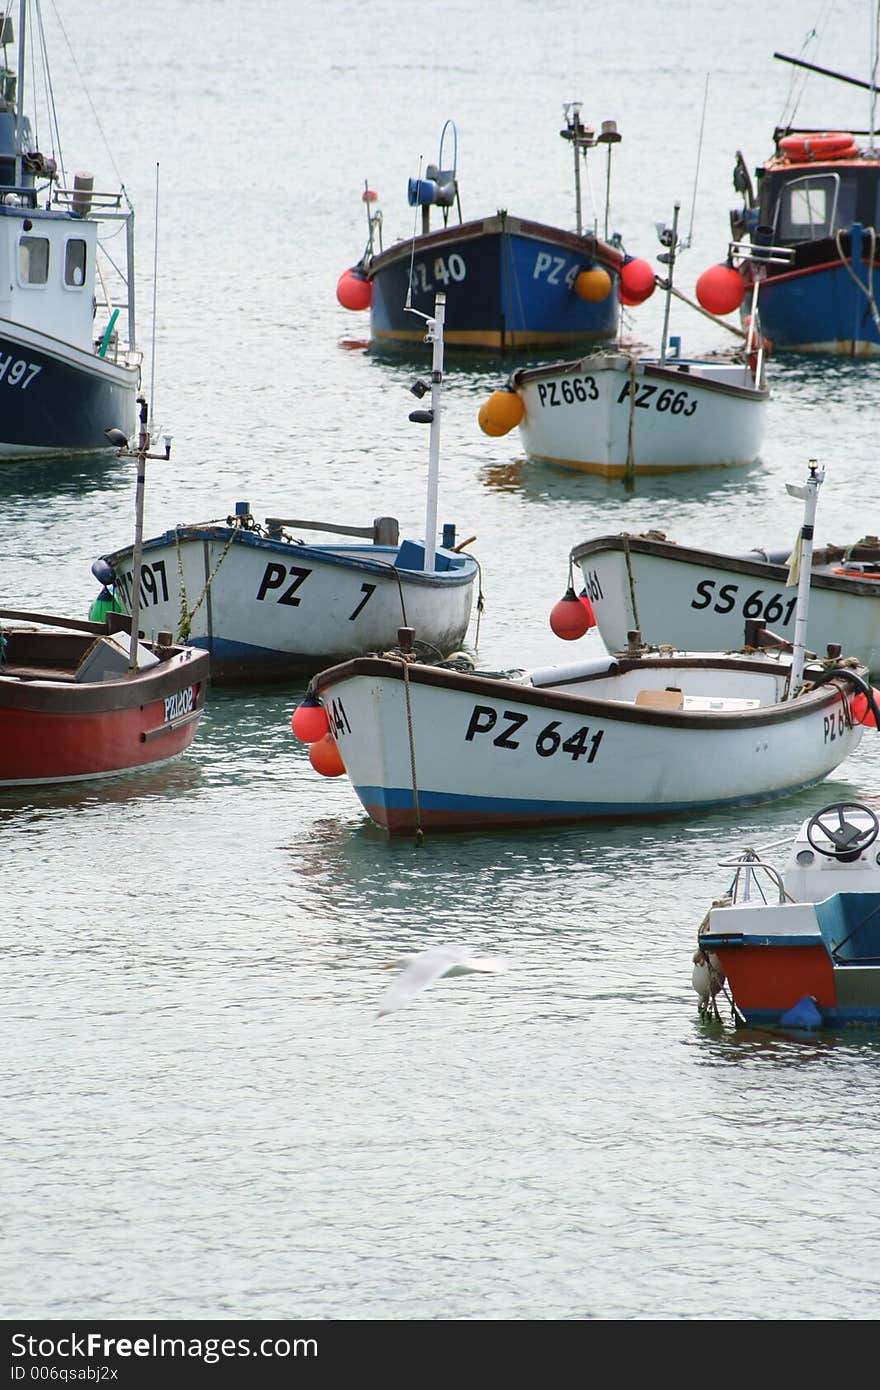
(858, 573)
(836, 144)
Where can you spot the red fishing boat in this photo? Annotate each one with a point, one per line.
(72, 705)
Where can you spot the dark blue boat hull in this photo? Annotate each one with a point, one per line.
(509, 284)
(57, 404)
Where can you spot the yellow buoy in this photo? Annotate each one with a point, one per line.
(500, 413)
(593, 285)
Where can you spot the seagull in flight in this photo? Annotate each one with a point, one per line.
(419, 971)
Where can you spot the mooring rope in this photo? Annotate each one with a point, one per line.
(412, 750)
(866, 286)
(632, 582)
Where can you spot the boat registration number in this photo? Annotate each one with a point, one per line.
(517, 730)
(180, 703)
(772, 609)
(17, 372)
(835, 723)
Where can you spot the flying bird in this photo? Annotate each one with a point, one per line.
(419, 971)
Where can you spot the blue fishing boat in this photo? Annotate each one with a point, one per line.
(814, 215)
(510, 282)
(68, 364)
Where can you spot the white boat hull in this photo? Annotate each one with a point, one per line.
(699, 600)
(270, 610)
(577, 744)
(611, 415)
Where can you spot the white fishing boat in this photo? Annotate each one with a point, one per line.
(645, 733)
(799, 946)
(621, 414)
(268, 606)
(700, 599)
(68, 359)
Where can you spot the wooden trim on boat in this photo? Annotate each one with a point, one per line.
(738, 564)
(600, 707)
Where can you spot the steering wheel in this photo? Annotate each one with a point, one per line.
(847, 840)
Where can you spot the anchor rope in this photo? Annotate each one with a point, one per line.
(632, 582)
(629, 470)
(412, 748)
(186, 613)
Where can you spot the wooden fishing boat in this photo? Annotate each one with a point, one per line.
(622, 414)
(73, 708)
(641, 735)
(510, 282)
(268, 606)
(699, 599)
(63, 383)
(799, 947)
(648, 732)
(817, 196)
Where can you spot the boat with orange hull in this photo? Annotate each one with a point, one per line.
(800, 947)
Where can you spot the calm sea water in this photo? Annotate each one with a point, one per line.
(203, 1116)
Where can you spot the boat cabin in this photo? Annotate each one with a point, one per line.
(47, 271)
(802, 202)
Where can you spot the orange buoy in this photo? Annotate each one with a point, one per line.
(861, 710)
(593, 285)
(309, 720)
(721, 289)
(637, 281)
(369, 195)
(584, 598)
(828, 144)
(500, 413)
(569, 618)
(353, 289)
(325, 757)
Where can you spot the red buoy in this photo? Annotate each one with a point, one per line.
(569, 618)
(309, 720)
(861, 710)
(720, 289)
(369, 195)
(584, 598)
(636, 281)
(325, 757)
(353, 289)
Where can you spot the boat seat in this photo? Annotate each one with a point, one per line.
(36, 673)
(671, 698)
(411, 556)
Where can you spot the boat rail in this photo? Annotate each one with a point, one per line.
(745, 878)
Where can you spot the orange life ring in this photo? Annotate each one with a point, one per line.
(835, 144)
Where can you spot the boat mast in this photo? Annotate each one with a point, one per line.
(435, 336)
(19, 93)
(803, 560)
(669, 257)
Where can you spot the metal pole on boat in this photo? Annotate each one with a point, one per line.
(19, 93)
(141, 453)
(671, 265)
(804, 553)
(435, 336)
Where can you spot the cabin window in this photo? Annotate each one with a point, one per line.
(75, 263)
(806, 209)
(33, 260)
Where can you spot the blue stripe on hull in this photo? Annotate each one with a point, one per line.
(63, 408)
(513, 291)
(477, 810)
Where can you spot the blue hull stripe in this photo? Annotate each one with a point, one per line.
(478, 807)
